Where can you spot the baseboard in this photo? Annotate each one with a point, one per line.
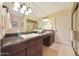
(64, 44)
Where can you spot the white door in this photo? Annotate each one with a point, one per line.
(63, 35)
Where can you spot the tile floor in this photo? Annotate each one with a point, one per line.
(57, 49)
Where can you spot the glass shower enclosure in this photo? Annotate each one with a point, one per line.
(75, 28)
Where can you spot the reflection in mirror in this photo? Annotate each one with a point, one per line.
(31, 25)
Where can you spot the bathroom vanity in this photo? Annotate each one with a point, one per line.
(25, 45)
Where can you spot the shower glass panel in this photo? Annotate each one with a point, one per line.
(76, 30)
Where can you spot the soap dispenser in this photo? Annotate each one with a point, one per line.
(18, 33)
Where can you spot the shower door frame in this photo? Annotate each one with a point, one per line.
(72, 27)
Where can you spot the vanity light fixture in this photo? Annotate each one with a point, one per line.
(23, 9)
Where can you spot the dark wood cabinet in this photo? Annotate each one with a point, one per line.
(26, 47)
(21, 53)
(5, 51)
(31, 47)
(35, 49)
(49, 39)
(46, 41)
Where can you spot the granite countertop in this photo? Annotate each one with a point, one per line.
(14, 40)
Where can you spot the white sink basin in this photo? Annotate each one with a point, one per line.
(29, 35)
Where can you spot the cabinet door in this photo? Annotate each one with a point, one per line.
(35, 49)
(46, 41)
(21, 53)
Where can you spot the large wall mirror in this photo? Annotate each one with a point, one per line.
(31, 25)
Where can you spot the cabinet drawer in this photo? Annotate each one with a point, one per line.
(35, 49)
(17, 48)
(32, 41)
(5, 51)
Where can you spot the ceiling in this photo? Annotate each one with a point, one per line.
(42, 9)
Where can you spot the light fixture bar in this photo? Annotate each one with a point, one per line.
(23, 9)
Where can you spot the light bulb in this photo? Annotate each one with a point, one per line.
(15, 8)
(21, 11)
(29, 10)
(24, 8)
(16, 4)
(46, 20)
(27, 13)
